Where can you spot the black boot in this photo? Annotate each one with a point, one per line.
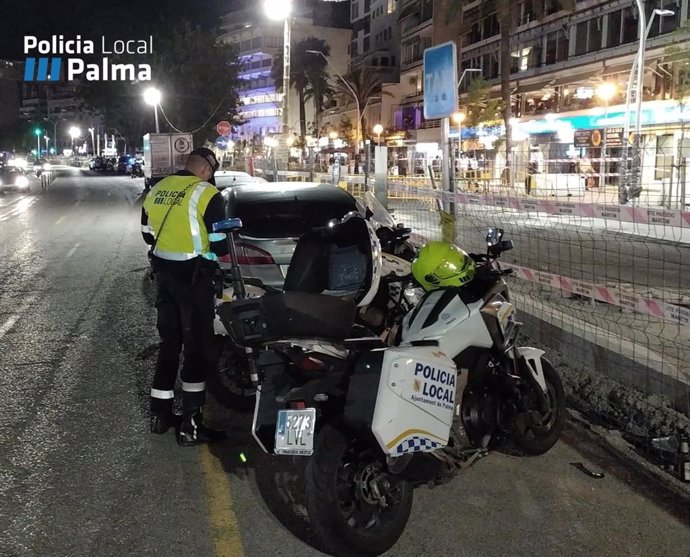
(160, 423)
(194, 432)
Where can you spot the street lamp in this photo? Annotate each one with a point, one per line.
(637, 76)
(37, 133)
(459, 118)
(55, 135)
(378, 130)
(74, 133)
(354, 96)
(445, 138)
(47, 140)
(152, 96)
(280, 10)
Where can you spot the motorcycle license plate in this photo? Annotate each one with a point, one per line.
(295, 432)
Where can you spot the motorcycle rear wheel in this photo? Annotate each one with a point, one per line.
(230, 384)
(537, 431)
(340, 501)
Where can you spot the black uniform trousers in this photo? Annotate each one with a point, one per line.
(185, 304)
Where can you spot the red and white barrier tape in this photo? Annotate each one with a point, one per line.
(620, 297)
(621, 213)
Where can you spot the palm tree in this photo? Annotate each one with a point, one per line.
(508, 21)
(308, 75)
(365, 83)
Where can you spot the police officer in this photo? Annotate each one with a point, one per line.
(176, 221)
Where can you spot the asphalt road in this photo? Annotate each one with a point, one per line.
(557, 245)
(80, 475)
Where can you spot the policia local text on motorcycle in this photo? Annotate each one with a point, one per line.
(176, 220)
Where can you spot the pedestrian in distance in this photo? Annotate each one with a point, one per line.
(176, 222)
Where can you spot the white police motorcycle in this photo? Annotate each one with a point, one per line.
(375, 420)
(231, 384)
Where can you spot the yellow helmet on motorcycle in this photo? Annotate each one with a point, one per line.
(442, 264)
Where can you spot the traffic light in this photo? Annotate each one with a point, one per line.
(38, 131)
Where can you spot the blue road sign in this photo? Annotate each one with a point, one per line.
(440, 81)
(222, 142)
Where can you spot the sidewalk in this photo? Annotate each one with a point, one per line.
(594, 210)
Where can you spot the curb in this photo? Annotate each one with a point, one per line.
(666, 490)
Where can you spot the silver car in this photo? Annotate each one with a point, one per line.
(228, 178)
(274, 216)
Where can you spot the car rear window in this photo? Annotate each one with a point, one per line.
(286, 218)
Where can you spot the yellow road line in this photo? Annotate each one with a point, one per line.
(225, 532)
(60, 219)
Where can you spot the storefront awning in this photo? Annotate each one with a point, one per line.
(530, 87)
(575, 78)
(619, 68)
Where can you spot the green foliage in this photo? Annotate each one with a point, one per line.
(679, 55)
(197, 76)
(308, 75)
(365, 83)
(346, 129)
(479, 106)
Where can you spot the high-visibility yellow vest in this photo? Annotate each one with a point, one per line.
(183, 235)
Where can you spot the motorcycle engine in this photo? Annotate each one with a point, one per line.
(481, 416)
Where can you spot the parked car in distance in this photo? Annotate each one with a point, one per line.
(227, 178)
(274, 215)
(13, 177)
(122, 163)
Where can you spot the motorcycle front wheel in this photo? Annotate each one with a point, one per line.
(354, 505)
(537, 430)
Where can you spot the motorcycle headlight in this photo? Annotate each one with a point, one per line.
(21, 181)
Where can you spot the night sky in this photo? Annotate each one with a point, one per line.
(119, 19)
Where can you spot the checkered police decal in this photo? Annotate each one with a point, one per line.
(417, 445)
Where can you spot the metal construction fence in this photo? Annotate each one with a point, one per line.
(603, 287)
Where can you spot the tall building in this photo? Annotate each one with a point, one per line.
(259, 41)
(10, 96)
(375, 36)
(570, 71)
(54, 106)
(402, 108)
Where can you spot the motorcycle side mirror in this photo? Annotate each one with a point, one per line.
(494, 236)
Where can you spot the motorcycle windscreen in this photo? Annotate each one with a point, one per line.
(379, 213)
(342, 260)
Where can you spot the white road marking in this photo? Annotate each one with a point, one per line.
(7, 325)
(18, 207)
(71, 252)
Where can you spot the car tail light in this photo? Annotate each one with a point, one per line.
(309, 363)
(250, 255)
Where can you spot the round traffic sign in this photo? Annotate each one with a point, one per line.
(181, 145)
(222, 143)
(223, 128)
